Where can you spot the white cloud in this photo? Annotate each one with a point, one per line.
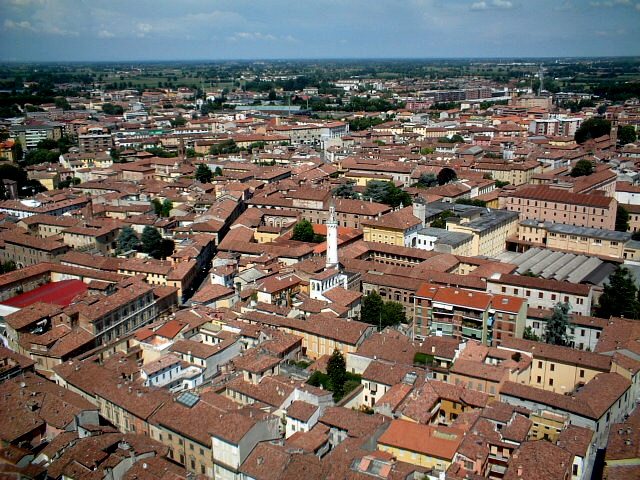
(612, 3)
(479, 6)
(24, 25)
(105, 34)
(256, 36)
(484, 5)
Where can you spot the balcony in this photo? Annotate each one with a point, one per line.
(472, 332)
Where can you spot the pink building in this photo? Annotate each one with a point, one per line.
(560, 206)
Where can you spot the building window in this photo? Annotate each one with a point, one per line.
(552, 367)
(551, 382)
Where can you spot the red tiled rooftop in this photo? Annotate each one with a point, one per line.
(59, 293)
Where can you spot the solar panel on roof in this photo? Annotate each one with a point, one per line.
(188, 399)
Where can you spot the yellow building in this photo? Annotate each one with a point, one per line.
(489, 228)
(423, 445)
(547, 425)
(559, 369)
(395, 228)
(571, 238)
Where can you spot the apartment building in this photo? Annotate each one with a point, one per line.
(549, 204)
(558, 369)
(543, 293)
(587, 240)
(459, 313)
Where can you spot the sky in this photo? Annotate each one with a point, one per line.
(129, 30)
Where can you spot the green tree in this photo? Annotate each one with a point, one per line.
(346, 190)
(556, 328)
(179, 121)
(372, 308)
(36, 157)
(111, 109)
(392, 313)
(203, 173)
(217, 172)
(154, 245)
(167, 206)
(427, 180)
(471, 201)
(8, 266)
(441, 221)
(62, 103)
(227, 146)
(627, 134)
(582, 168)
(620, 296)
(622, 219)
(427, 150)
(529, 334)
(127, 239)
(446, 175)
(47, 144)
(157, 206)
(500, 183)
(376, 191)
(303, 231)
(592, 128)
(337, 373)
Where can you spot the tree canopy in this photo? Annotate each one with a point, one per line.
(622, 219)
(446, 175)
(203, 173)
(620, 296)
(346, 190)
(392, 313)
(592, 128)
(371, 308)
(627, 134)
(556, 328)
(441, 221)
(127, 239)
(154, 245)
(427, 180)
(337, 372)
(387, 193)
(582, 168)
(303, 231)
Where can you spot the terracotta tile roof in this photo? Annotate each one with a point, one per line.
(541, 283)
(465, 298)
(170, 329)
(592, 401)
(567, 355)
(355, 423)
(402, 219)
(301, 410)
(439, 442)
(577, 440)
(545, 193)
(31, 314)
(386, 373)
(541, 460)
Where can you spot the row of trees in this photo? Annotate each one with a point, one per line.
(376, 191)
(598, 127)
(150, 242)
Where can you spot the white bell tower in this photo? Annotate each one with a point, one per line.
(332, 238)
